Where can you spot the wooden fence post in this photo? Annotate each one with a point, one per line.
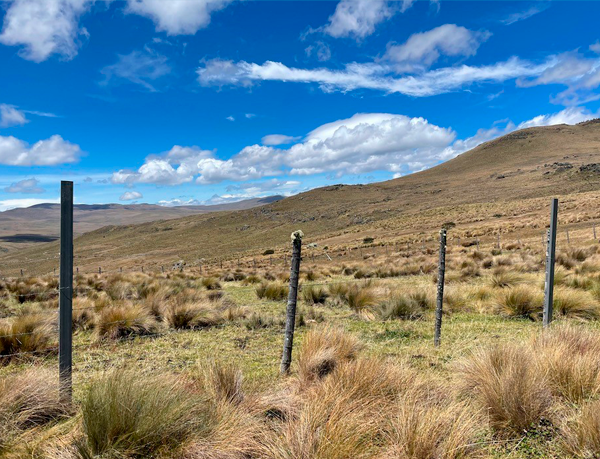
(65, 337)
(290, 321)
(550, 255)
(440, 288)
(594, 228)
(568, 240)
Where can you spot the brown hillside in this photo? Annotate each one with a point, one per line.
(500, 183)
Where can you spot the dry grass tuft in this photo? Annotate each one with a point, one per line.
(27, 400)
(125, 415)
(273, 291)
(126, 320)
(576, 304)
(519, 302)
(507, 384)
(581, 436)
(322, 350)
(28, 333)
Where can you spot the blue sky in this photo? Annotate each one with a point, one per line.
(195, 101)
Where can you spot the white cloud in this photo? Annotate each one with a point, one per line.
(130, 196)
(25, 186)
(230, 118)
(595, 47)
(368, 76)
(423, 49)
(138, 67)
(177, 17)
(278, 139)
(359, 18)
(526, 14)
(44, 27)
(179, 202)
(253, 189)
(365, 142)
(320, 50)
(49, 152)
(177, 166)
(11, 116)
(250, 115)
(571, 115)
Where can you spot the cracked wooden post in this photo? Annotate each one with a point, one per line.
(550, 255)
(440, 289)
(290, 321)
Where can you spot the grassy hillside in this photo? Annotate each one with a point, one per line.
(502, 185)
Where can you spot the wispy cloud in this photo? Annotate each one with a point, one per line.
(526, 13)
(142, 68)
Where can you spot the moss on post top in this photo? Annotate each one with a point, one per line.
(297, 236)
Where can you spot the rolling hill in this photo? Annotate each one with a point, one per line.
(40, 223)
(503, 183)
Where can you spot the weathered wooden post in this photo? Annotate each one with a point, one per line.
(594, 228)
(440, 289)
(568, 240)
(498, 240)
(100, 270)
(290, 321)
(21, 273)
(65, 314)
(550, 255)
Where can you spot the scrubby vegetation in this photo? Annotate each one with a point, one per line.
(366, 381)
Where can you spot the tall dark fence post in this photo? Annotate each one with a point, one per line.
(65, 343)
(550, 255)
(440, 289)
(290, 321)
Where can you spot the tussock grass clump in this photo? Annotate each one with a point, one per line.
(191, 315)
(126, 320)
(362, 300)
(125, 415)
(519, 302)
(251, 279)
(502, 279)
(420, 429)
(28, 333)
(576, 304)
(27, 400)
(581, 436)
(399, 306)
(324, 349)
(210, 283)
(570, 357)
(273, 291)
(508, 386)
(314, 294)
(220, 381)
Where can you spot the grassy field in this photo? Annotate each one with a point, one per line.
(366, 380)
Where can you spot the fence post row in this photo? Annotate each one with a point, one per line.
(65, 343)
(290, 321)
(550, 256)
(440, 288)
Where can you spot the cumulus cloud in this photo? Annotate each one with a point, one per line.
(8, 204)
(365, 142)
(49, 152)
(230, 118)
(44, 27)
(25, 186)
(570, 115)
(260, 188)
(423, 49)
(359, 18)
(11, 116)
(179, 202)
(177, 166)
(130, 196)
(372, 76)
(138, 67)
(177, 17)
(278, 139)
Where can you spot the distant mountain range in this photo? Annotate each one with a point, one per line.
(41, 223)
